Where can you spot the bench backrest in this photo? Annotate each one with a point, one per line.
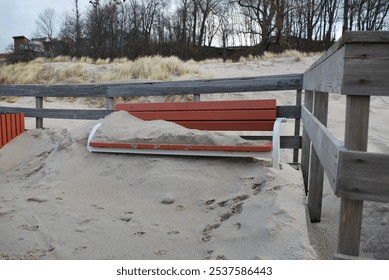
(242, 115)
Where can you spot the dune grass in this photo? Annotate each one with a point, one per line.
(296, 55)
(67, 70)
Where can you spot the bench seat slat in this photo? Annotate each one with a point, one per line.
(217, 115)
(266, 147)
(203, 105)
(228, 125)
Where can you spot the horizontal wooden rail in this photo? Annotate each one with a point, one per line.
(91, 114)
(82, 114)
(91, 90)
(327, 147)
(250, 84)
(356, 65)
(363, 176)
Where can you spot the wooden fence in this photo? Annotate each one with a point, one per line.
(195, 88)
(356, 66)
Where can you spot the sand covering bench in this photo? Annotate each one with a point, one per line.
(246, 115)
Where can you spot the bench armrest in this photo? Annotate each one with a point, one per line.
(276, 142)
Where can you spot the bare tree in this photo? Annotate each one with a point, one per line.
(263, 13)
(72, 30)
(46, 25)
(206, 7)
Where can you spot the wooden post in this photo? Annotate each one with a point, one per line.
(316, 178)
(196, 97)
(297, 127)
(356, 135)
(109, 103)
(306, 148)
(39, 105)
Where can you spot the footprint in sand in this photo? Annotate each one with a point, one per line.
(207, 232)
(173, 232)
(37, 199)
(257, 187)
(29, 227)
(125, 219)
(97, 207)
(83, 225)
(140, 233)
(160, 252)
(223, 203)
(210, 202)
(79, 249)
(240, 198)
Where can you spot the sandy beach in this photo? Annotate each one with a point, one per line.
(58, 201)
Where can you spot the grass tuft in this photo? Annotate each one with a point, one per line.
(68, 70)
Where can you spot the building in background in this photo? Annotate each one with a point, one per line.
(25, 46)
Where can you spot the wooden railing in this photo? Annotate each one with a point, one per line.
(193, 87)
(356, 66)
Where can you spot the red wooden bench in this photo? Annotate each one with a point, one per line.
(242, 115)
(11, 125)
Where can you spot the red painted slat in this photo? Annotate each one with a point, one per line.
(229, 125)
(1, 134)
(22, 125)
(17, 124)
(234, 115)
(267, 147)
(4, 129)
(9, 127)
(13, 126)
(199, 106)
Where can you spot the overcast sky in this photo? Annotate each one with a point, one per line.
(17, 17)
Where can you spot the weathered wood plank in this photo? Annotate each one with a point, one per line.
(316, 178)
(353, 37)
(286, 142)
(289, 111)
(282, 111)
(350, 37)
(264, 83)
(356, 135)
(297, 125)
(306, 146)
(363, 176)
(358, 63)
(366, 69)
(326, 145)
(81, 114)
(109, 103)
(326, 76)
(39, 105)
(92, 90)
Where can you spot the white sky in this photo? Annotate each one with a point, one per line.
(17, 17)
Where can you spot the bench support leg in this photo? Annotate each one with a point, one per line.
(276, 142)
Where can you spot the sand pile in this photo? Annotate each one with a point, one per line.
(58, 201)
(125, 128)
